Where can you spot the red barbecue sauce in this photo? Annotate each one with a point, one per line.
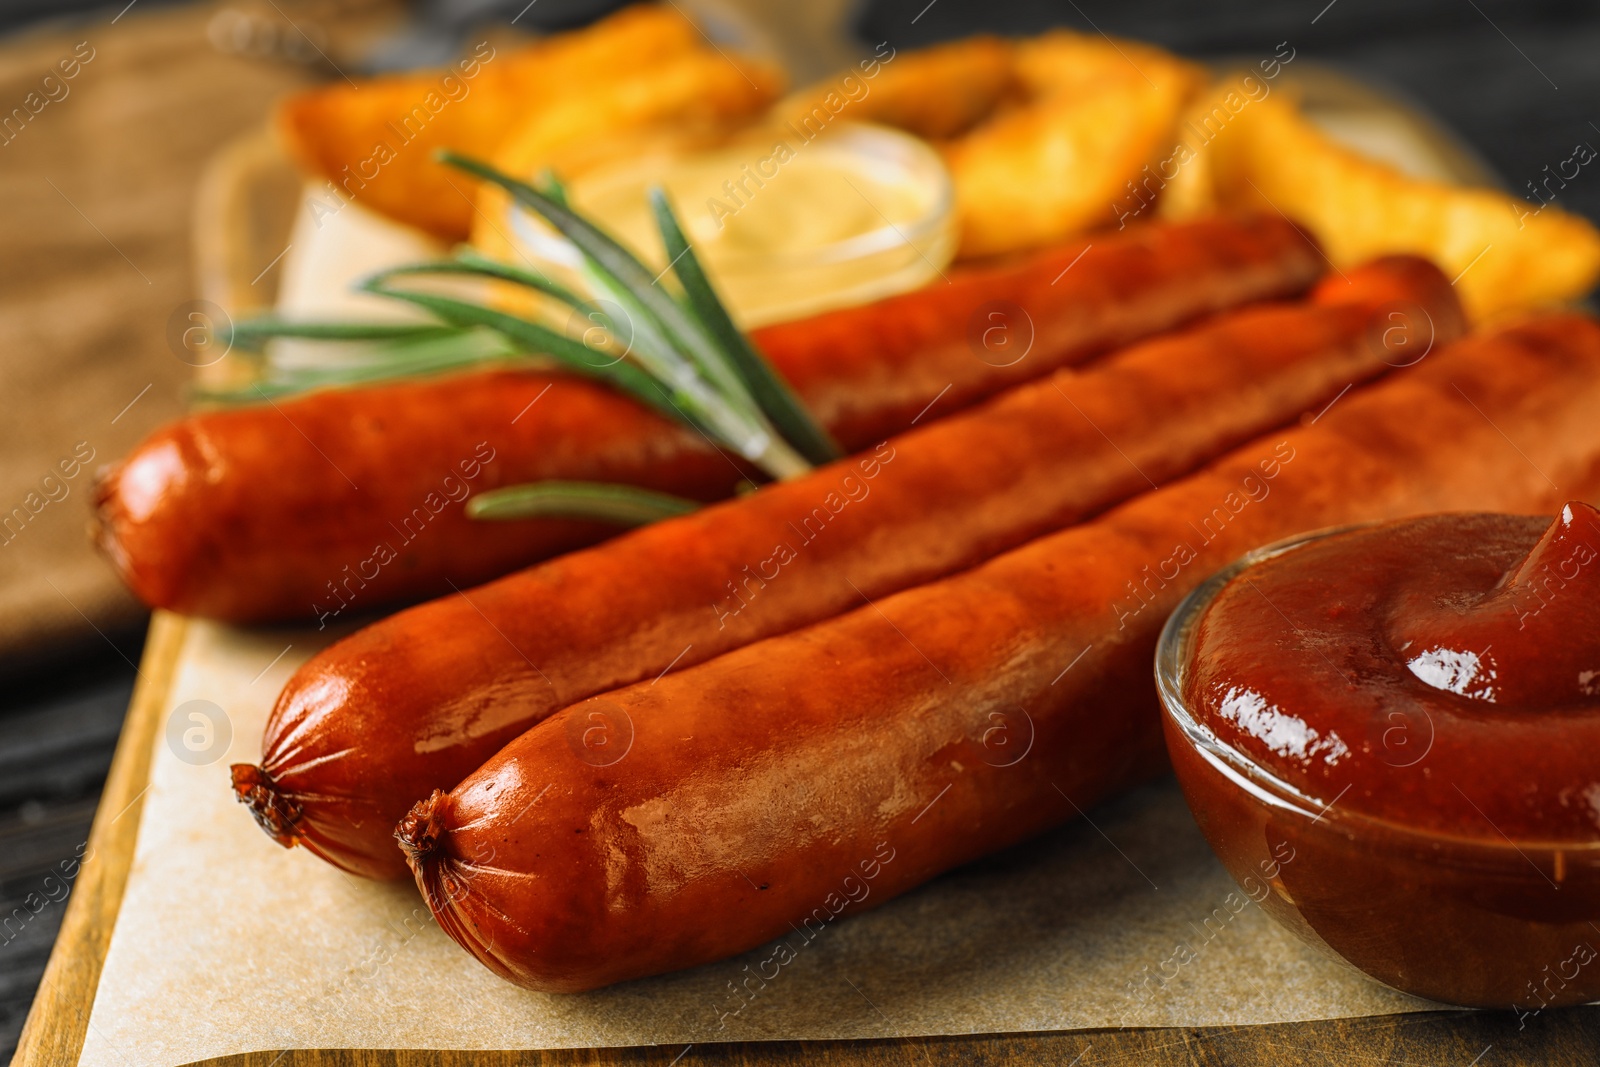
(1422, 701)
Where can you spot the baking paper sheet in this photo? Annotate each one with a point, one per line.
(227, 943)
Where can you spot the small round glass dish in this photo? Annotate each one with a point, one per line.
(788, 223)
(1476, 921)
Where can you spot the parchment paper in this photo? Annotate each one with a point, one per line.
(227, 943)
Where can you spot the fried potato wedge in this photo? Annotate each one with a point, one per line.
(1504, 252)
(697, 90)
(687, 102)
(935, 93)
(1096, 113)
(374, 140)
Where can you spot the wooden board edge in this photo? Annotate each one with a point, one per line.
(58, 1021)
(1566, 1038)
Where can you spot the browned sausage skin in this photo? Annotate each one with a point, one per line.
(345, 501)
(417, 701)
(754, 783)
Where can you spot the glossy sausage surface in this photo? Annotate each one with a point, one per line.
(342, 502)
(758, 790)
(415, 702)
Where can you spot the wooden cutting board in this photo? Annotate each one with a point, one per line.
(58, 1023)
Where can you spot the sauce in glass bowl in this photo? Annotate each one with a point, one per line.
(785, 227)
(1403, 720)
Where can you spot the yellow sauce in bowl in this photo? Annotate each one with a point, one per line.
(784, 226)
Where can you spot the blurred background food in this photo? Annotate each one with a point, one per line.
(1503, 253)
(111, 114)
(523, 105)
(1045, 136)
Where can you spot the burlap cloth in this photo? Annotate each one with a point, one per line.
(96, 197)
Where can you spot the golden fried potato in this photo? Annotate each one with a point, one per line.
(935, 93)
(375, 140)
(697, 89)
(1064, 61)
(1097, 112)
(687, 102)
(1269, 156)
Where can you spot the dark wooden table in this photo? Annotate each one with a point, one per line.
(1518, 80)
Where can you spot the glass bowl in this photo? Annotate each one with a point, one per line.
(1474, 922)
(785, 227)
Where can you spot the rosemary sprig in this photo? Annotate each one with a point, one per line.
(469, 261)
(686, 355)
(531, 336)
(382, 352)
(633, 282)
(682, 355)
(771, 392)
(624, 505)
(252, 334)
